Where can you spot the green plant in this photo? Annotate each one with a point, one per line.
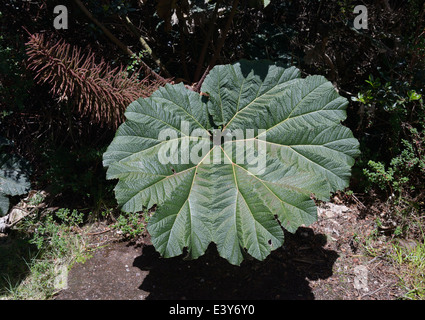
(14, 176)
(393, 158)
(49, 235)
(403, 171)
(237, 197)
(36, 199)
(134, 63)
(385, 109)
(378, 175)
(411, 261)
(72, 218)
(47, 243)
(130, 224)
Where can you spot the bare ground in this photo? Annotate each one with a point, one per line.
(325, 261)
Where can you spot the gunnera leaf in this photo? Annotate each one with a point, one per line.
(4, 204)
(236, 164)
(14, 179)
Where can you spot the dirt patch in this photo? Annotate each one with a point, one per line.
(356, 275)
(109, 275)
(323, 262)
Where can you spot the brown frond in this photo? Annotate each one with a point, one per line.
(94, 89)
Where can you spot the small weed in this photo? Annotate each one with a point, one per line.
(73, 218)
(36, 199)
(131, 224)
(57, 237)
(411, 261)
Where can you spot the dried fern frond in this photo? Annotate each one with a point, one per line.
(94, 89)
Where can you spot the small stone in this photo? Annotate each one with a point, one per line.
(345, 209)
(360, 278)
(329, 214)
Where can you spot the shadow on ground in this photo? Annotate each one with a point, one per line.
(285, 274)
(15, 252)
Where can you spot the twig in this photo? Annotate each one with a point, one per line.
(379, 289)
(358, 202)
(377, 257)
(198, 86)
(100, 232)
(97, 245)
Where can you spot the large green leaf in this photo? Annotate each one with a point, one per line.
(4, 204)
(288, 143)
(13, 179)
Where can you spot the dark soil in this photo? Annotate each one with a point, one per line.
(324, 262)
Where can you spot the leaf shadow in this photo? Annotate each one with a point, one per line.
(284, 274)
(261, 70)
(15, 253)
